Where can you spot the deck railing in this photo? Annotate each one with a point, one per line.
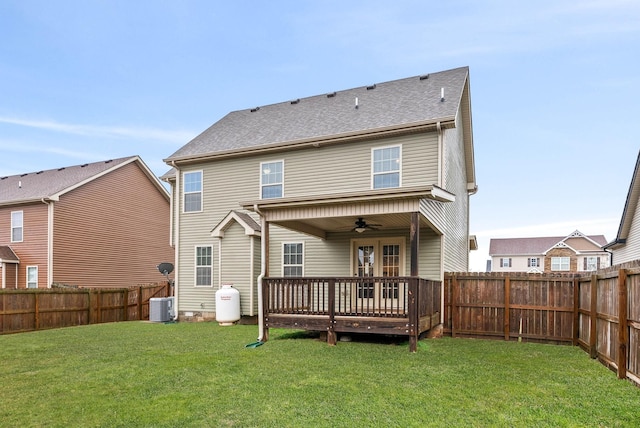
(384, 305)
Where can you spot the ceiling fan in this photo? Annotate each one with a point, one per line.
(361, 225)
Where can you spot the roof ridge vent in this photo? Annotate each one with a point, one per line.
(424, 77)
(370, 87)
(296, 101)
(83, 165)
(109, 161)
(60, 169)
(253, 110)
(39, 172)
(331, 95)
(23, 175)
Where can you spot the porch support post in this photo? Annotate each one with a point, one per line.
(264, 298)
(415, 241)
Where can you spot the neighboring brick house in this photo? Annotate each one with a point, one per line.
(99, 224)
(572, 253)
(626, 246)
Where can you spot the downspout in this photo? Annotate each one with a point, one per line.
(49, 205)
(440, 155)
(175, 234)
(263, 270)
(443, 236)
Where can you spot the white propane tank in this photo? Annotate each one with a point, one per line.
(227, 305)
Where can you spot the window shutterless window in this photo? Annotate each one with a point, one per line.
(271, 179)
(385, 167)
(192, 190)
(16, 226)
(32, 276)
(560, 263)
(293, 259)
(204, 266)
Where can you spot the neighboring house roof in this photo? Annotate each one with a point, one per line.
(7, 255)
(540, 245)
(51, 184)
(630, 207)
(367, 110)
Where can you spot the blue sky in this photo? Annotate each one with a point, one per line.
(554, 87)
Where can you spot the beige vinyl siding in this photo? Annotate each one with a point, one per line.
(112, 231)
(32, 251)
(235, 261)
(456, 241)
(347, 167)
(326, 169)
(631, 249)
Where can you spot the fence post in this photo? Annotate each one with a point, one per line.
(125, 304)
(36, 311)
(454, 307)
(593, 311)
(576, 311)
(507, 302)
(140, 303)
(98, 301)
(623, 328)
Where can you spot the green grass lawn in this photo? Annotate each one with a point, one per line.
(199, 374)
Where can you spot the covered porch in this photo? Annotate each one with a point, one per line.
(383, 296)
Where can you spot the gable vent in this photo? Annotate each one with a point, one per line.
(253, 110)
(424, 77)
(331, 95)
(296, 101)
(371, 87)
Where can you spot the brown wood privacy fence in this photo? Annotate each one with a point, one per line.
(599, 311)
(39, 309)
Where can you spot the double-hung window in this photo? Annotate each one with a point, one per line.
(505, 262)
(293, 259)
(204, 266)
(271, 179)
(32, 276)
(385, 166)
(560, 263)
(192, 190)
(17, 226)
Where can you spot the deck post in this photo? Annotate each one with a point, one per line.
(413, 313)
(331, 333)
(415, 243)
(264, 236)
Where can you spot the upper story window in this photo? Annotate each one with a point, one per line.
(271, 176)
(192, 189)
(533, 262)
(560, 263)
(16, 226)
(591, 263)
(293, 259)
(386, 162)
(505, 262)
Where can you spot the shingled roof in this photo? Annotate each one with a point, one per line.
(396, 104)
(50, 184)
(533, 246)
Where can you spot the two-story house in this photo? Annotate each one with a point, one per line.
(626, 246)
(367, 182)
(98, 224)
(575, 252)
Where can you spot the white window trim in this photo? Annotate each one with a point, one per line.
(195, 266)
(373, 149)
(560, 264)
(293, 265)
(27, 273)
(271, 184)
(184, 205)
(15, 227)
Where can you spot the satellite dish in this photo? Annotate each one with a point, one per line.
(165, 268)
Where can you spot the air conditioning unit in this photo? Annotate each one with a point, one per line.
(160, 309)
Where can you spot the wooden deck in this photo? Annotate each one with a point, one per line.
(403, 306)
